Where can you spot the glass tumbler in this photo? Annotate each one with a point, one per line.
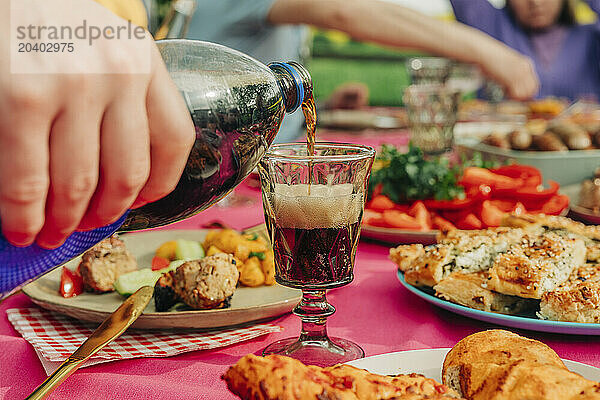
(432, 111)
(429, 70)
(313, 209)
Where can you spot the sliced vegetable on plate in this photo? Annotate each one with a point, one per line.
(409, 191)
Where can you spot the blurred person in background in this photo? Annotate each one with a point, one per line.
(566, 54)
(275, 30)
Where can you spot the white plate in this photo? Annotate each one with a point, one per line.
(429, 362)
(247, 304)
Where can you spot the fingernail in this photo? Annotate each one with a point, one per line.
(19, 239)
(85, 224)
(138, 203)
(50, 243)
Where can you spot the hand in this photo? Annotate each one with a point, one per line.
(79, 149)
(514, 72)
(350, 96)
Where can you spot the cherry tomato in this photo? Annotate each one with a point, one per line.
(71, 283)
(159, 262)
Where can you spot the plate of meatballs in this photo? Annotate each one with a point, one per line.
(230, 283)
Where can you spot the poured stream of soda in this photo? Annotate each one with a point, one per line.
(310, 114)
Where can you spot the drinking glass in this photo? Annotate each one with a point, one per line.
(429, 70)
(313, 209)
(432, 111)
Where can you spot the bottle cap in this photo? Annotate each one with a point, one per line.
(297, 80)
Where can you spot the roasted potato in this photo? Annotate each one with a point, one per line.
(251, 273)
(268, 267)
(253, 255)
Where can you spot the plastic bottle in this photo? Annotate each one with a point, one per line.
(237, 105)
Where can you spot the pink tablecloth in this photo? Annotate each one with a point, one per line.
(374, 311)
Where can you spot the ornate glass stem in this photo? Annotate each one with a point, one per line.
(313, 310)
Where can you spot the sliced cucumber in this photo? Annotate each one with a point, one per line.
(188, 250)
(172, 266)
(129, 283)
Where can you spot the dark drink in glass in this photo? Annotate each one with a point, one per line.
(315, 235)
(313, 208)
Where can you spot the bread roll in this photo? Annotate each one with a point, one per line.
(500, 365)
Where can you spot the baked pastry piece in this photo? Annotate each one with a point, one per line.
(592, 252)
(536, 266)
(576, 300)
(277, 377)
(500, 365)
(431, 267)
(404, 256)
(563, 226)
(465, 251)
(471, 290)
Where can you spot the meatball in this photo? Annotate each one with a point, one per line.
(104, 263)
(206, 283)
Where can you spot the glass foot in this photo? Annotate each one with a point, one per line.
(324, 353)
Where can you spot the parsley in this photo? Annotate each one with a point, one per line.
(254, 236)
(258, 254)
(405, 177)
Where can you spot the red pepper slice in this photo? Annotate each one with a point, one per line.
(555, 205)
(381, 203)
(491, 215)
(71, 283)
(373, 218)
(442, 224)
(505, 205)
(518, 209)
(470, 221)
(420, 213)
(518, 171)
(456, 204)
(475, 176)
(397, 219)
(534, 194)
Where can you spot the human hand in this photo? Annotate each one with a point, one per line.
(349, 96)
(514, 72)
(79, 149)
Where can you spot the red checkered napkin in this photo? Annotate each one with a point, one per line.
(55, 337)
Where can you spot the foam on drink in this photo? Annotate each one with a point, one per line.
(326, 206)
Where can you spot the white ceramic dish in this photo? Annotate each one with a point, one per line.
(247, 304)
(429, 362)
(566, 168)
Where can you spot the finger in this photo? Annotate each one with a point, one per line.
(74, 141)
(124, 160)
(171, 136)
(23, 175)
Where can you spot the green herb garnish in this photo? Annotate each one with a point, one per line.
(258, 254)
(254, 236)
(405, 177)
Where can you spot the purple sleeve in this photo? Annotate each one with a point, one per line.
(479, 14)
(594, 5)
